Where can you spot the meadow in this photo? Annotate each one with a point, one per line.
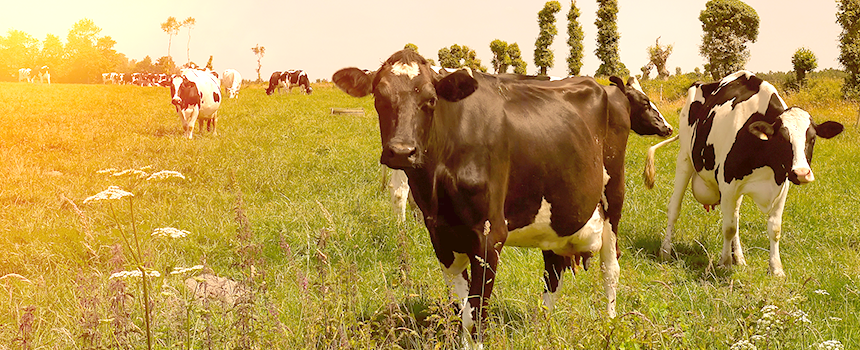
(287, 225)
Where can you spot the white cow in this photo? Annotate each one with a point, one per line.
(24, 75)
(197, 96)
(231, 81)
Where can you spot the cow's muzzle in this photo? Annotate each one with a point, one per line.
(801, 176)
(399, 155)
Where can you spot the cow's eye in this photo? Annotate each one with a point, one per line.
(431, 102)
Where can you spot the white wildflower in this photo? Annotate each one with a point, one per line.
(164, 175)
(829, 345)
(169, 232)
(836, 319)
(135, 273)
(743, 345)
(183, 270)
(821, 292)
(107, 171)
(131, 173)
(801, 316)
(768, 309)
(112, 192)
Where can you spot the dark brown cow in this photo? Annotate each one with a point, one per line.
(497, 160)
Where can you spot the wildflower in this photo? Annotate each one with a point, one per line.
(835, 319)
(801, 316)
(164, 175)
(134, 273)
(112, 192)
(743, 345)
(107, 171)
(829, 345)
(169, 232)
(182, 270)
(130, 172)
(821, 292)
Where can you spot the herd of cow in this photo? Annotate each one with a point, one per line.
(30, 75)
(495, 160)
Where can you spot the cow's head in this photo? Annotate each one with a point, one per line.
(406, 90)
(184, 93)
(645, 118)
(794, 130)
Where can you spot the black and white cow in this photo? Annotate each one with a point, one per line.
(287, 80)
(45, 75)
(231, 81)
(197, 96)
(494, 161)
(739, 138)
(25, 74)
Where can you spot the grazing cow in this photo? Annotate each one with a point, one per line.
(287, 79)
(45, 75)
(496, 160)
(231, 81)
(738, 138)
(197, 96)
(24, 75)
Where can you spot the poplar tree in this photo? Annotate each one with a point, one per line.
(546, 22)
(728, 26)
(575, 36)
(608, 40)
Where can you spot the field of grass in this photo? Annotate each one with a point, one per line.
(286, 205)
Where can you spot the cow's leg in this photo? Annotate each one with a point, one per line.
(774, 224)
(456, 276)
(483, 264)
(214, 123)
(554, 268)
(398, 184)
(730, 208)
(683, 172)
(609, 267)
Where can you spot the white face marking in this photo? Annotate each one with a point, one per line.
(410, 70)
(797, 122)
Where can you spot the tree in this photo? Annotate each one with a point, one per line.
(145, 66)
(460, 56)
(209, 63)
(544, 57)
(165, 65)
(728, 26)
(501, 59)
(803, 61)
(657, 56)
(608, 40)
(411, 46)
(189, 23)
(259, 51)
(575, 36)
(84, 56)
(17, 50)
(848, 16)
(52, 52)
(517, 59)
(171, 27)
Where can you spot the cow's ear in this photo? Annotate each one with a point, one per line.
(828, 129)
(456, 86)
(632, 82)
(618, 82)
(354, 81)
(762, 130)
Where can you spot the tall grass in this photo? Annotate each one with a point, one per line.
(286, 204)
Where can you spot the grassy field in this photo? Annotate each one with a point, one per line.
(286, 207)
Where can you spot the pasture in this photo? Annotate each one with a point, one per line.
(288, 202)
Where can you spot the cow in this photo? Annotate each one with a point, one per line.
(495, 160)
(231, 81)
(739, 138)
(287, 79)
(24, 75)
(45, 75)
(197, 96)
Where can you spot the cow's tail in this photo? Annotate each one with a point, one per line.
(650, 170)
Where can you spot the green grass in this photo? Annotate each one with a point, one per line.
(326, 264)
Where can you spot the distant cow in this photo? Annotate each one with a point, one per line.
(738, 138)
(197, 96)
(231, 81)
(24, 74)
(287, 80)
(45, 75)
(500, 160)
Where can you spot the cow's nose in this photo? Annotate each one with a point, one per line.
(402, 150)
(804, 175)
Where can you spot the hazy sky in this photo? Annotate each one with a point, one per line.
(321, 36)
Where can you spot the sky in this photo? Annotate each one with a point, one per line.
(322, 36)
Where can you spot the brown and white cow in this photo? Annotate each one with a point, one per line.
(494, 161)
(45, 75)
(197, 96)
(25, 74)
(739, 138)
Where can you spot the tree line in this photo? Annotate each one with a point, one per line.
(85, 55)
